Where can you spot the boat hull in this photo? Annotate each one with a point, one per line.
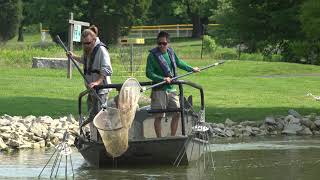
(154, 151)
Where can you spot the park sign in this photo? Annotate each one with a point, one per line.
(75, 28)
(77, 33)
(74, 35)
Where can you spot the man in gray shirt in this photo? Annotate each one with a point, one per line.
(97, 70)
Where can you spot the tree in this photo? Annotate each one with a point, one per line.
(111, 15)
(197, 10)
(54, 14)
(308, 49)
(166, 12)
(259, 23)
(10, 16)
(309, 17)
(29, 16)
(108, 15)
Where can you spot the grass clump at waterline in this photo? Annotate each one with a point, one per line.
(239, 90)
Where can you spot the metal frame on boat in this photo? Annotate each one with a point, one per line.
(144, 147)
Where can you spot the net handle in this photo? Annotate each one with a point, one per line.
(187, 74)
(78, 68)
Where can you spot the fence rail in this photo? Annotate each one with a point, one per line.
(175, 30)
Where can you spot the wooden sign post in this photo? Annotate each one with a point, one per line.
(74, 35)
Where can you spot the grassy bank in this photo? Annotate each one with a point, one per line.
(240, 90)
(19, 54)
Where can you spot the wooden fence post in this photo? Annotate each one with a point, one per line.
(70, 45)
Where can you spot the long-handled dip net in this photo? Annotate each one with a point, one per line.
(113, 123)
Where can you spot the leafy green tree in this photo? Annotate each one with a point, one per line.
(10, 16)
(29, 16)
(310, 19)
(108, 15)
(198, 11)
(307, 50)
(166, 12)
(259, 23)
(54, 14)
(112, 15)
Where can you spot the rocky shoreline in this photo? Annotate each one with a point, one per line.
(33, 132)
(17, 132)
(271, 126)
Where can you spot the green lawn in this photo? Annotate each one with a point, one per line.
(240, 90)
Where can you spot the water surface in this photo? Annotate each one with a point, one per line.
(274, 158)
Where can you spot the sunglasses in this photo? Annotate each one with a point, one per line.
(162, 43)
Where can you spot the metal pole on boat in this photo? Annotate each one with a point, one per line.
(187, 74)
(47, 163)
(58, 166)
(62, 149)
(182, 152)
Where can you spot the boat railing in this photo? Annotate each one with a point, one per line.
(180, 83)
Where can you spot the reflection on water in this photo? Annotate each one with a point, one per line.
(284, 158)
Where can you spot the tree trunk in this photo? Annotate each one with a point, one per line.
(197, 26)
(20, 36)
(108, 25)
(111, 29)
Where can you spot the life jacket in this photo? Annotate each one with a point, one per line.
(88, 68)
(162, 62)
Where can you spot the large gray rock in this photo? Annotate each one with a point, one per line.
(2, 144)
(228, 122)
(308, 123)
(5, 122)
(55, 63)
(251, 123)
(229, 132)
(5, 136)
(15, 143)
(292, 129)
(16, 118)
(305, 131)
(71, 119)
(316, 132)
(44, 120)
(317, 123)
(38, 129)
(270, 121)
(294, 113)
(26, 145)
(29, 118)
(6, 116)
(5, 128)
(291, 119)
(219, 125)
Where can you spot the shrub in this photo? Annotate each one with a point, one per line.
(276, 58)
(252, 57)
(302, 52)
(209, 44)
(226, 53)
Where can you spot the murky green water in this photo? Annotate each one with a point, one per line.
(281, 158)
